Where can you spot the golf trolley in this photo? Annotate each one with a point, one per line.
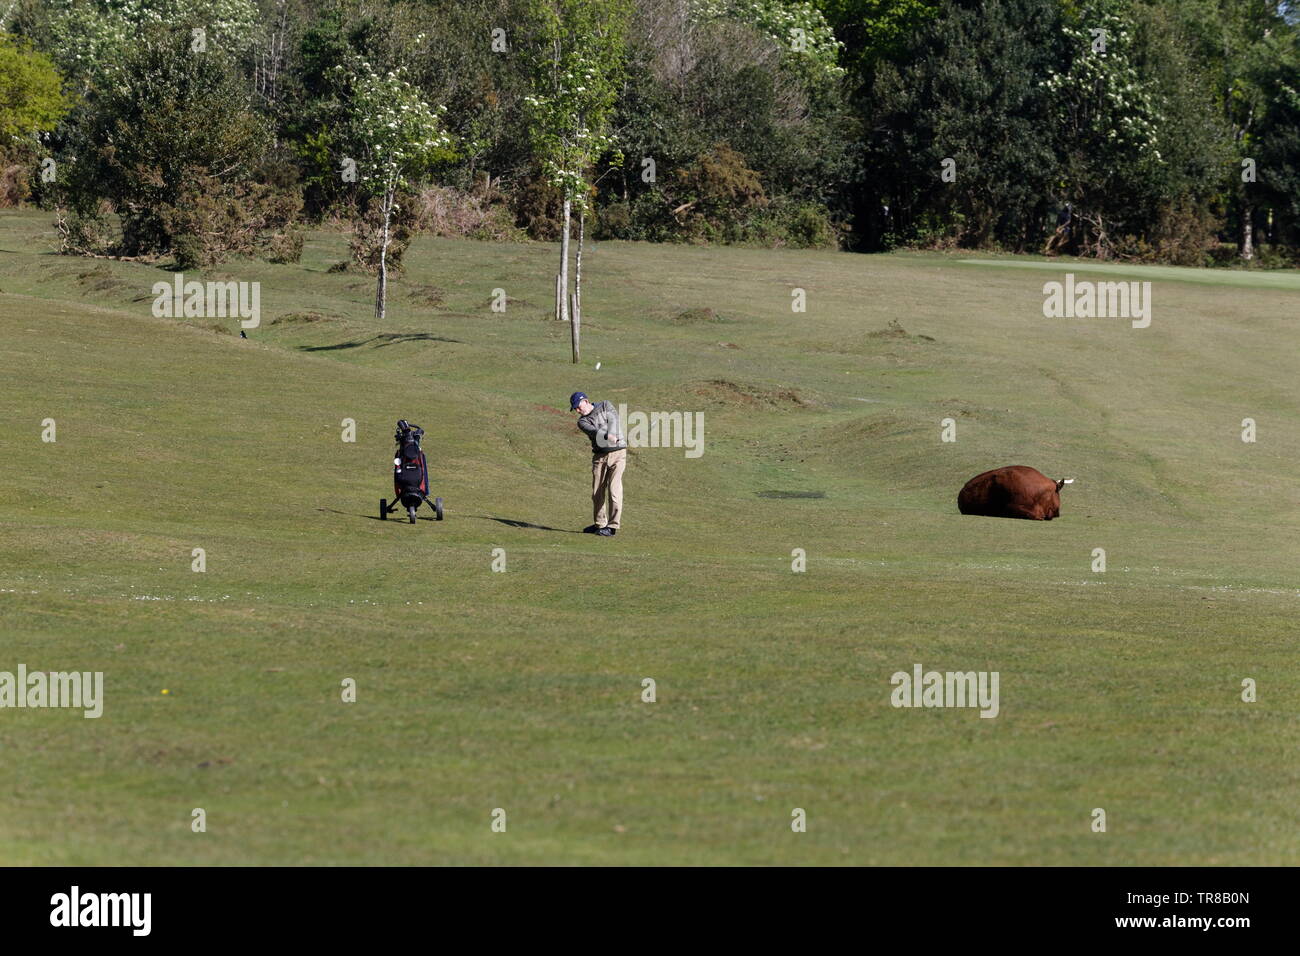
(410, 475)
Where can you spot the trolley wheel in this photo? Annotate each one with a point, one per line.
(383, 509)
(437, 508)
(410, 513)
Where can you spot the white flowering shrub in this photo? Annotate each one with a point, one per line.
(1101, 94)
(91, 36)
(567, 143)
(787, 23)
(574, 91)
(396, 135)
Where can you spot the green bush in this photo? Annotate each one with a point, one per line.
(285, 248)
(213, 220)
(805, 226)
(15, 178)
(614, 221)
(172, 144)
(366, 242)
(188, 252)
(93, 232)
(538, 209)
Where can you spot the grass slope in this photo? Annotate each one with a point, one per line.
(521, 690)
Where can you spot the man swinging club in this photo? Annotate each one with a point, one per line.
(608, 458)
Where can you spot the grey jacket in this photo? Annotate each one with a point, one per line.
(598, 424)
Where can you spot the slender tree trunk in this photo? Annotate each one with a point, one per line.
(564, 278)
(577, 292)
(381, 292)
(564, 264)
(577, 281)
(1247, 248)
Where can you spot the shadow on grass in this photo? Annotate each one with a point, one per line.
(511, 522)
(383, 338)
(401, 517)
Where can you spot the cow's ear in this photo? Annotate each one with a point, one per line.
(1060, 484)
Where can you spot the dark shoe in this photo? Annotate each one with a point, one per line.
(606, 532)
(591, 529)
(612, 531)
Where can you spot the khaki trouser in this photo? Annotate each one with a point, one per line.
(1059, 240)
(607, 479)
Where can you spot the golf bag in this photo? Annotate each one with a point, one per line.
(410, 475)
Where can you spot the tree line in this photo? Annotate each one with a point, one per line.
(1146, 130)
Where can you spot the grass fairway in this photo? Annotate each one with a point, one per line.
(522, 690)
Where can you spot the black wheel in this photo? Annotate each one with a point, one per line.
(410, 513)
(383, 509)
(437, 507)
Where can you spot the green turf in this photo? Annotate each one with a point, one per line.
(522, 690)
(1278, 279)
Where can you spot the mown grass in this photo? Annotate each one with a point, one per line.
(522, 690)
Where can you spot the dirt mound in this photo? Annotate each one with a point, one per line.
(102, 279)
(512, 306)
(696, 316)
(300, 318)
(724, 392)
(428, 295)
(882, 426)
(895, 330)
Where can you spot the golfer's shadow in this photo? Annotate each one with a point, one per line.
(511, 522)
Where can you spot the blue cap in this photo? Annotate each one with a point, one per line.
(575, 398)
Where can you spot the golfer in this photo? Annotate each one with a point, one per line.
(608, 458)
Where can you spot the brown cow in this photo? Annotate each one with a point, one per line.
(1015, 491)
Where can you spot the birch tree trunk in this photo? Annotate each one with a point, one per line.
(381, 292)
(564, 278)
(1246, 250)
(564, 264)
(577, 281)
(576, 317)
